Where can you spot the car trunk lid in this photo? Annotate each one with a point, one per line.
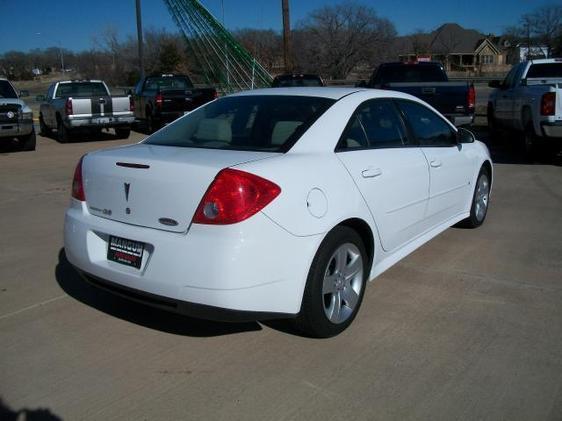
(154, 186)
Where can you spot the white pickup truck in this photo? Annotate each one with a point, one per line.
(529, 100)
(84, 105)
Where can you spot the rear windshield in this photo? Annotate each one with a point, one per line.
(172, 83)
(6, 90)
(401, 73)
(287, 82)
(81, 89)
(545, 70)
(271, 123)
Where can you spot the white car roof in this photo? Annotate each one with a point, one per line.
(325, 92)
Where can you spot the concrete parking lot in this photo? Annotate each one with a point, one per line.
(467, 327)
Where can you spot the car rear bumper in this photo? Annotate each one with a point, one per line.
(552, 129)
(460, 120)
(101, 122)
(254, 267)
(21, 128)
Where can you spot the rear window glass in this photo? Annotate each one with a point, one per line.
(6, 90)
(270, 123)
(401, 73)
(81, 89)
(174, 83)
(545, 70)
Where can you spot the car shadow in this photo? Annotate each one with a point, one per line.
(76, 287)
(40, 414)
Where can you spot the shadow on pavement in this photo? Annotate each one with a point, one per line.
(83, 137)
(76, 287)
(41, 414)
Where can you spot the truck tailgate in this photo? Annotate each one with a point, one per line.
(446, 97)
(103, 106)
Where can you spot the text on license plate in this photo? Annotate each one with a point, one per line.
(124, 251)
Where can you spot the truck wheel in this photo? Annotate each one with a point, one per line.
(123, 133)
(43, 129)
(63, 134)
(151, 124)
(492, 123)
(335, 285)
(28, 143)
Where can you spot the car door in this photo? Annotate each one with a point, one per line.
(390, 172)
(506, 96)
(450, 167)
(48, 113)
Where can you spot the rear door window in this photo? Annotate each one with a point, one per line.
(428, 127)
(270, 123)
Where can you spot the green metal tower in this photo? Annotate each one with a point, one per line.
(222, 58)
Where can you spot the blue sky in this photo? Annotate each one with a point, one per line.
(74, 23)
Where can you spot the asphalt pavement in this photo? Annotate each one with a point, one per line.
(467, 327)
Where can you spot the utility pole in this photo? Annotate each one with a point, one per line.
(140, 41)
(286, 37)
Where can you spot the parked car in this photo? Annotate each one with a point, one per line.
(16, 118)
(160, 99)
(274, 203)
(429, 82)
(84, 105)
(529, 101)
(291, 80)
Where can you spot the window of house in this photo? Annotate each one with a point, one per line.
(487, 59)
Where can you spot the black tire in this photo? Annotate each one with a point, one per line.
(476, 219)
(43, 129)
(529, 142)
(122, 133)
(63, 134)
(313, 319)
(493, 127)
(152, 124)
(28, 143)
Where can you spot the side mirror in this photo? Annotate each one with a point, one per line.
(128, 92)
(497, 84)
(361, 84)
(40, 98)
(465, 136)
(523, 82)
(24, 93)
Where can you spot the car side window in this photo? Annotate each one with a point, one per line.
(429, 128)
(375, 124)
(510, 78)
(51, 91)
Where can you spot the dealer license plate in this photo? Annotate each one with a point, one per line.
(126, 252)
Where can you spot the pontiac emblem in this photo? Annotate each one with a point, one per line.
(127, 188)
(10, 114)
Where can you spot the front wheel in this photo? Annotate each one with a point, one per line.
(28, 143)
(122, 133)
(335, 285)
(480, 201)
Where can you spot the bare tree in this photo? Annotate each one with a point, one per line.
(334, 40)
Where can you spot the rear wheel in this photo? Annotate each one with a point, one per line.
(43, 129)
(28, 143)
(63, 134)
(151, 123)
(480, 201)
(123, 133)
(335, 285)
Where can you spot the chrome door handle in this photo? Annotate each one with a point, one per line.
(435, 163)
(371, 172)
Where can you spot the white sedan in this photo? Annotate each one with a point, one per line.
(277, 203)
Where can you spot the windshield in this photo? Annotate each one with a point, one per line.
(401, 73)
(6, 90)
(168, 83)
(81, 89)
(545, 70)
(271, 123)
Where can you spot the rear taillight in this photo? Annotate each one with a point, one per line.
(548, 103)
(77, 183)
(215, 95)
(131, 104)
(234, 196)
(159, 100)
(471, 98)
(68, 107)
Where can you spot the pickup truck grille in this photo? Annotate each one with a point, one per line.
(9, 113)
